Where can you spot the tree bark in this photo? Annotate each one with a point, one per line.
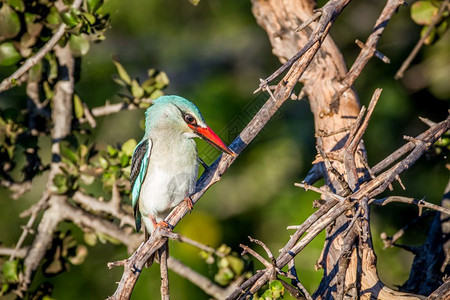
(349, 262)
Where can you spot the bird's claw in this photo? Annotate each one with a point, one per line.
(163, 224)
(189, 203)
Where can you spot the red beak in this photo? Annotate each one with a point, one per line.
(211, 137)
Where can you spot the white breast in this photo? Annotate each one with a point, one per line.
(170, 179)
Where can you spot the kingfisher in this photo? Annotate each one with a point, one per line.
(164, 166)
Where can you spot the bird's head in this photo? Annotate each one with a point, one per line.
(183, 116)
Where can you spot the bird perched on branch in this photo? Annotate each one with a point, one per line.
(164, 166)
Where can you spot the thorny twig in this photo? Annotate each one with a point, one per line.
(368, 50)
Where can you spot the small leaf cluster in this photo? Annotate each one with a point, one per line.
(274, 292)
(82, 164)
(423, 12)
(229, 264)
(26, 25)
(15, 139)
(65, 250)
(9, 276)
(76, 167)
(151, 88)
(116, 165)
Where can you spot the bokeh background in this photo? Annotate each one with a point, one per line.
(214, 54)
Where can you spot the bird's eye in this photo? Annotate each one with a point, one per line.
(190, 119)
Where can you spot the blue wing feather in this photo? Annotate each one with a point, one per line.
(139, 165)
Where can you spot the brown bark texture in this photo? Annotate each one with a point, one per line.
(348, 260)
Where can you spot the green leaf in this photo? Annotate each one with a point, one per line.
(53, 17)
(69, 154)
(122, 72)
(104, 238)
(136, 90)
(53, 72)
(103, 162)
(47, 90)
(113, 151)
(93, 5)
(36, 72)
(59, 184)
(431, 37)
(423, 12)
(128, 147)
(156, 94)
(8, 54)
(194, 2)
(9, 22)
(79, 45)
(236, 264)
(70, 18)
(90, 18)
(90, 238)
(276, 286)
(162, 80)
(78, 106)
(11, 270)
(17, 5)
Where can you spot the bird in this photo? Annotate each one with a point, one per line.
(164, 165)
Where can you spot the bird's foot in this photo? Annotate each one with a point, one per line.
(162, 224)
(189, 203)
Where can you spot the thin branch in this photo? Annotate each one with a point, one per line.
(419, 202)
(109, 207)
(400, 152)
(5, 251)
(368, 50)
(420, 43)
(314, 17)
(27, 228)
(199, 280)
(390, 241)
(12, 80)
(292, 274)
(165, 294)
(329, 12)
(185, 239)
(354, 141)
(291, 290)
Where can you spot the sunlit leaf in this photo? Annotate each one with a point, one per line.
(194, 2)
(136, 90)
(122, 72)
(9, 22)
(90, 238)
(53, 17)
(17, 5)
(8, 54)
(128, 147)
(236, 264)
(10, 270)
(79, 45)
(70, 18)
(93, 5)
(423, 12)
(78, 106)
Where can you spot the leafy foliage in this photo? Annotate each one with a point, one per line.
(424, 12)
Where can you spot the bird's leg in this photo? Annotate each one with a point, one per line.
(162, 224)
(189, 203)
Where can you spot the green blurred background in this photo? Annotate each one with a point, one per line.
(214, 54)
